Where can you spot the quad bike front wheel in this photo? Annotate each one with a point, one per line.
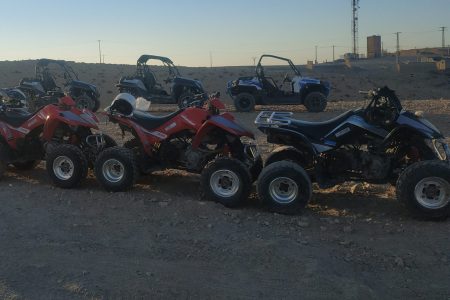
(66, 165)
(315, 102)
(244, 102)
(226, 180)
(116, 169)
(284, 187)
(424, 188)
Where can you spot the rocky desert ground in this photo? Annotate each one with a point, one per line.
(161, 241)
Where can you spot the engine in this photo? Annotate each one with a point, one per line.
(357, 162)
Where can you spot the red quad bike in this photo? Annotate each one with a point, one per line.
(60, 133)
(197, 138)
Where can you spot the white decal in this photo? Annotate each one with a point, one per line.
(170, 126)
(158, 134)
(187, 120)
(342, 132)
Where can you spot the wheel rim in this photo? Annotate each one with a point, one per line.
(283, 190)
(113, 170)
(432, 192)
(224, 183)
(63, 168)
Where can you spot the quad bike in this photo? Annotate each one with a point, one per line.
(144, 83)
(43, 90)
(197, 138)
(381, 143)
(59, 133)
(264, 90)
(13, 97)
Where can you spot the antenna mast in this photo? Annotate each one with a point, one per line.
(355, 48)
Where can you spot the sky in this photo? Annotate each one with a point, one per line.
(196, 32)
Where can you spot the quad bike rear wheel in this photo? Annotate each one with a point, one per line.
(315, 102)
(66, 165)
(244, 102)
(424, 188)
(145, 166)
(284, 187)
(226, 180)
(116, 169)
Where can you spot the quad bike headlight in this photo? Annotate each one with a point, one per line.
(441, 148)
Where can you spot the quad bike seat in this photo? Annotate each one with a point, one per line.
(318, 130)
(15, 117)
(149, 121)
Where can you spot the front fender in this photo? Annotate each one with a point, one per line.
(70, 119)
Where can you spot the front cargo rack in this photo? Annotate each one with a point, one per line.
(273, 118)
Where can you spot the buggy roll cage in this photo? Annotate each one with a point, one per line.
(41, 69)
(260, 69)
(142, 67)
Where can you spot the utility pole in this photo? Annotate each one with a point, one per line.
(443, 36)
(333, 51)
(103, 58)
(210, 59)
(398, 46)
(100, 50)
(316, 56)
(254, 61)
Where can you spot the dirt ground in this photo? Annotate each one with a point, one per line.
(161, 241)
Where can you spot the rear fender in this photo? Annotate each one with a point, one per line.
(223, 123)
(287, 153)
(283, 136)
(148, 138)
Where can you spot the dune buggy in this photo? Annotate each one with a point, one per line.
(43, 89)
(179, 90)
(264, 90)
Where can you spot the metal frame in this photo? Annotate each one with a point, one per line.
(42, 64)
(273, 118)
(260, 69)
(141, 65)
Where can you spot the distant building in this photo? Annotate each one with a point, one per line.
(373, 46)
(443, 64)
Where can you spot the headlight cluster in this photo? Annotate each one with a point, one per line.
(441, 148)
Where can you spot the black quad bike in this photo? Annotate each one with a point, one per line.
(381, 143)
(43, 89)
(264, 90)
(144, 83)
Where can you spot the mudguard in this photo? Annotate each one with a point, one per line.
(283, 136)
(224, 123)
(71, 119)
